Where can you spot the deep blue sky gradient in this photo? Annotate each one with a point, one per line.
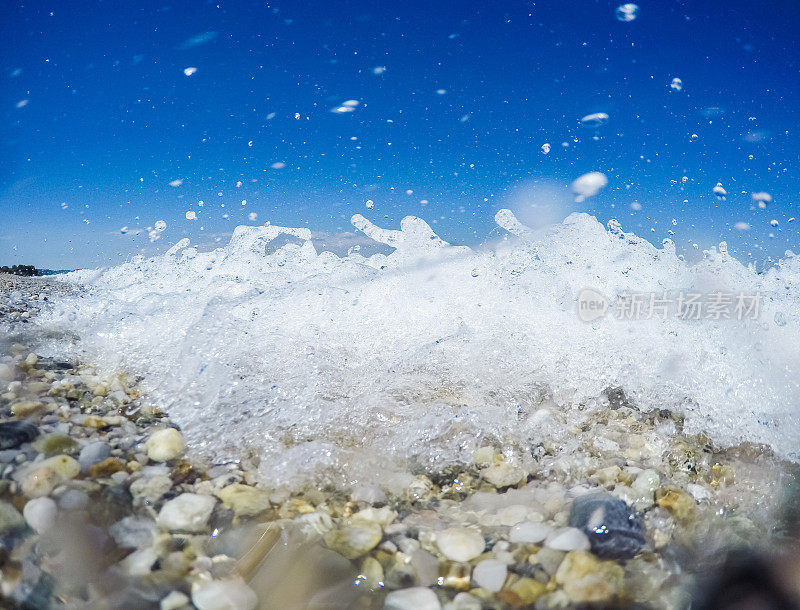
(111, 118)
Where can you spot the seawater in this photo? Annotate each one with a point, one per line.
(362, 368)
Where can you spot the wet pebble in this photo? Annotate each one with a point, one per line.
(40, 514)
(227, 594)
(614, 529)
(92, 454)
(460, 544)
(14, 433)
(187, 513)
(413, 598)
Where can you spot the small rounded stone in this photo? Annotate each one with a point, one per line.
(460, 543)
(40, 514)
(567, 539)
(413, 598)
(226, 594)
(187, 513)
(490, 574)
(165, 445)
(355, 540)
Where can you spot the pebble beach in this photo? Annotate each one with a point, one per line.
(103, 505)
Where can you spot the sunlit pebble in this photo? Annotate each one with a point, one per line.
(636, 206)
(278, 165)
(441, 91)
(676, 84)
(596, 119)
(370, 204)
(545, 148)
(271, 116)
(252, 216)
(378, 70)
(189, 71)
(177, 182)
(773, 222)
(627, 12)
(22, 103)
(742, 226)
(190, 215)
(719, 191)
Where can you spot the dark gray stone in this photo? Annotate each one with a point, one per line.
(15, 433)
(615, 530)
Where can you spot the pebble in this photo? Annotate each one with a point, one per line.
(615, 530)
(567, 539)
(680, 504)
(503, 474)
(73, 499)
(24, 408)
(14, 433)
(92, 454)
(53, 444)
(49, 473)
(150, 489)
(587, 579)
(225, 594)
(644, 488)
(464, 601)
(10, 519)
(244, 500)
(165, 445)
(40, 514)
(106, 468)
(174, 601)
(490, 574)
(460, 543)
(353, 541)
(187, 513)
(140, 562)
(413, 598)
(529, 533)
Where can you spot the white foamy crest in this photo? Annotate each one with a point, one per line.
(359, 364)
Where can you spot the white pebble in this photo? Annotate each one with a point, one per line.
(567, 539)
(164, 445)
(188, 512)
(460, 543)
(490, 574)
(173, 601)
(414, 598)
(40, 513)
(529, 533)
(227, 594)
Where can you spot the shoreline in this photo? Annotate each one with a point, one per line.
(100, 505)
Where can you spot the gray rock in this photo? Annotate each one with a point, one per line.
(14, 433)
(615, 530)
(92, 454)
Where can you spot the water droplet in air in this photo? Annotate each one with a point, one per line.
(627, 12)
(588, 185)
(719, 191)
(252, 216)
(370, 204)
(774, 222)
(190, 215)
(278, 165)
(545, 148)
(190, 70)
(596, 119)
(676, 84)
(160, 225)
(761, 199)
(742, 226)
(176, 183)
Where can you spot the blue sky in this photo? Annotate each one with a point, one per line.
(97, 118)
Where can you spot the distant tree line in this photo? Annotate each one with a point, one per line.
(20, 270)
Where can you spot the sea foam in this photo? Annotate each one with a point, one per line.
(356, 365)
